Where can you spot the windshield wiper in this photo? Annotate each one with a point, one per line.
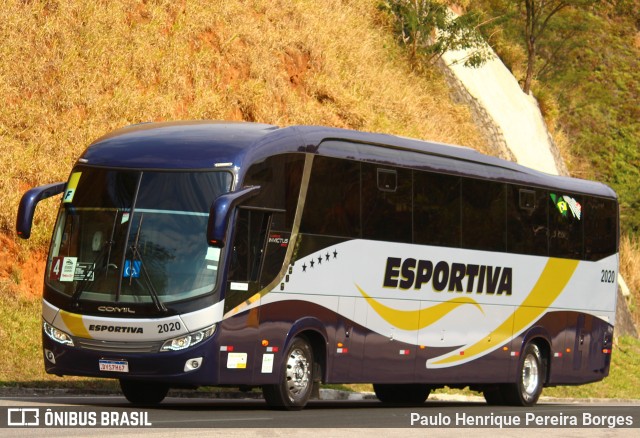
(135, 254)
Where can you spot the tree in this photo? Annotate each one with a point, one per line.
(537, 16)
(429, 29)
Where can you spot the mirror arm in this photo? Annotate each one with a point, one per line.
(221, 211)
(28, 204)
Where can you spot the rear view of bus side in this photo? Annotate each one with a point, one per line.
(191, 254)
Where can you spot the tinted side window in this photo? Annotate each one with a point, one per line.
(600, 228)
(386, 203)
(279, 178)
(332, 206)
(436, 209)
(527, 228)
(565, 225)
(483, 215)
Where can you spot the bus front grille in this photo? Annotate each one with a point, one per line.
(118, 346)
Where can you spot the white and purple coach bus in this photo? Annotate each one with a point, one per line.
(239, 254)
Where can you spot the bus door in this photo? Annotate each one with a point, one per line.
(240, 337)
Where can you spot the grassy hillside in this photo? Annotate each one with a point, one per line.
(71, 71)
(588, 83)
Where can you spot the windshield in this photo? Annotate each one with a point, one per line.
(135, 237)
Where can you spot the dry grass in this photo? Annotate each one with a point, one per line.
(630, 270)
(72, 71)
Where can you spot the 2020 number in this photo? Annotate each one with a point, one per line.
(607, 276)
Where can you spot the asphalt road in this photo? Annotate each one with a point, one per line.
(251, 417)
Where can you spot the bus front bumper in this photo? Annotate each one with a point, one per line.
(194, 366)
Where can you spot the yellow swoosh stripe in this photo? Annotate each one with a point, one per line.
(74, 324)
(416, 319)
(552, 281)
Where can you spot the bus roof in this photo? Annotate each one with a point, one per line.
(207, 144)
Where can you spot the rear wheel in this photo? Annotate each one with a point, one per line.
(143, 393)
(412, 394)
(296, 378)
(530, 379)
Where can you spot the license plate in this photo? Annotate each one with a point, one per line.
(114, 366)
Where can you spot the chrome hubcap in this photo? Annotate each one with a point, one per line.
(530, 375)
(298, 373)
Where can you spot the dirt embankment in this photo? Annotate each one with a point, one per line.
(21, 271)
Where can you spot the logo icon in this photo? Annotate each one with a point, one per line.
(23, 417)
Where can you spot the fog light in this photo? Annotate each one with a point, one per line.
(193, 364)
(50, 356)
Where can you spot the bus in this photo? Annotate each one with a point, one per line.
(190, 254)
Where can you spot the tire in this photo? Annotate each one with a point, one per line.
(402, 394)
(493, 395)
(530, 379)
(296, 378)
(143, 393)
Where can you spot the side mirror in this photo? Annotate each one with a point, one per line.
(220, 211)
(28, 204)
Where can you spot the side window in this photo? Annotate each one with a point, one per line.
(565, 225)
(527, 228)
(436, 209)
(386, 203)
(332, 206)
(483, 215)
(279, 178)
(600, 228)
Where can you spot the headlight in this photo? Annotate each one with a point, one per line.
(57, 335)
(188, 340)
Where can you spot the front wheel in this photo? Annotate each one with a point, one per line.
(143, 393)
(530, 379)
(296, 378)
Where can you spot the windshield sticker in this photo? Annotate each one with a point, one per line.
(68, 271)
(56, 268)
(71, 187)
(213, 254)
(84, 271)
(132, 270)
(566, 204)
(212, 258)
(125, 218)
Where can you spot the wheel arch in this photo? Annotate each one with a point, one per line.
(315, 332)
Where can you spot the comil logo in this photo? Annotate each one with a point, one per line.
(23, 417)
